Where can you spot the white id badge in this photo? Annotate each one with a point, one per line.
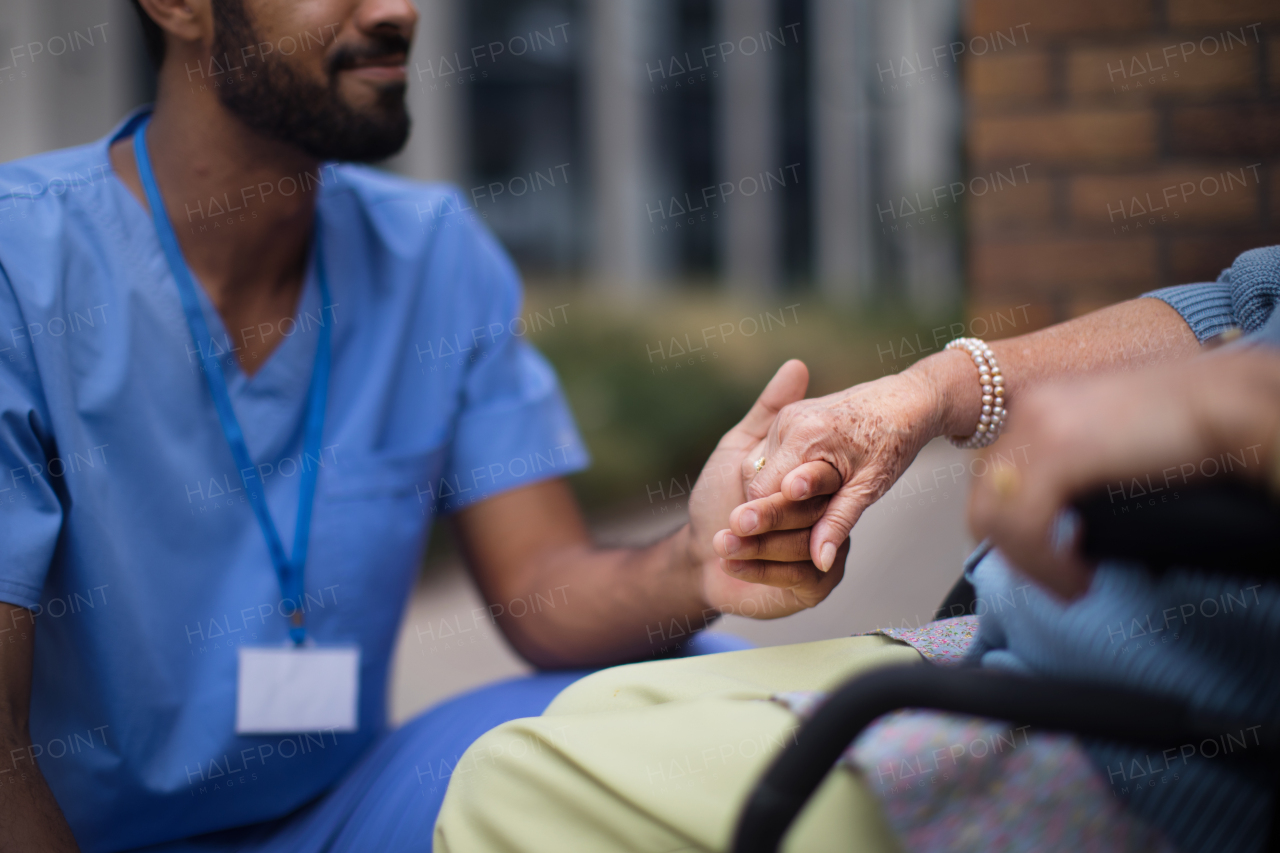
(290, 689)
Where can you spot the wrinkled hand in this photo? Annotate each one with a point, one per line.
(756, 588)
(855, 444)
(1085, 435)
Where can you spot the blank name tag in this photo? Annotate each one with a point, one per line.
(290, 689)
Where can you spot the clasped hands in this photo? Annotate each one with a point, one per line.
(825, 461)
(829, 458)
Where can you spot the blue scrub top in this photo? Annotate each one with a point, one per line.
(122, 516)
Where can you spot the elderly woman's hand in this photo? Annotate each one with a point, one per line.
(858, 442)
(855, 444)
(1085, 435)
(786, 581)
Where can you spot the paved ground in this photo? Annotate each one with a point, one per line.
(906, 553)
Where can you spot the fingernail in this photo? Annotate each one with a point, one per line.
(731, 543)
(748, 520)
(799, 490)
(828, 556)
(1064, 532)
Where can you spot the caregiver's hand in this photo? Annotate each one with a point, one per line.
(788, 582)
(855, 444)
(1084, 435)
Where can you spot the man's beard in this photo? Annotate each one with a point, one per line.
(279, 104)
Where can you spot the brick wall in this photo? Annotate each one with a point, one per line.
(1126, 145)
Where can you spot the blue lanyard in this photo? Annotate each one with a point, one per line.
(288, 570)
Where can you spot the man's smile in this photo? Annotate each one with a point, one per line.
(382, 69)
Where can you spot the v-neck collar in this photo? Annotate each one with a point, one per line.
(287, 369)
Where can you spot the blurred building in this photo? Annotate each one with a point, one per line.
(756, 144)
(68, 72)
(749, 146)
(1126, 145)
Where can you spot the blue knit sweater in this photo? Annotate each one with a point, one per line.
(1212, 641)
(1244, 295)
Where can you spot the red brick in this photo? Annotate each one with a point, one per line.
(1022, 76)
(1237, 130)
(1181, 197)
(1202, 257)
(1063, 268)
(1028, 205)
(1075, 136)
(1160, 67)
(1273, 53)
(1202, 13)
(1272, 179)
(1055, 17)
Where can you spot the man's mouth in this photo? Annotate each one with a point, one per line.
(382, 69)
(382, 61)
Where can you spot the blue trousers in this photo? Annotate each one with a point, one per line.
(389, 801)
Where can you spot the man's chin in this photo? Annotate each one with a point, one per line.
(375, 126)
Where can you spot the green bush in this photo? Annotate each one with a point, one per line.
(650, 414)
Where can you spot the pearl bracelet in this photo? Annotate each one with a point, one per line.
(992, 419)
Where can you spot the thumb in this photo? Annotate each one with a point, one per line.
(787, 386)
(832, 530)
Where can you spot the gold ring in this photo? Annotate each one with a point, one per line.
(1006, 481)
(759, 464)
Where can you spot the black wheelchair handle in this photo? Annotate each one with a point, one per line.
(1225, 524)
(1086, 709)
